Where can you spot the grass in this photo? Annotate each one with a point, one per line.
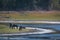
(33, 16)
(6, 29)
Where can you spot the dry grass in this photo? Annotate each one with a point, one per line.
(51, 15)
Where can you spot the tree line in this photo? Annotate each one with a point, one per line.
(19, 5)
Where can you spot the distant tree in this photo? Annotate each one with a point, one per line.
(56, 5)
(30, 5)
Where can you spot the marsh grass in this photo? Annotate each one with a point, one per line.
(32, 16)
(6, 29)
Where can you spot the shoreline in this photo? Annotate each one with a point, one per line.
(31, 21)
(39, 31)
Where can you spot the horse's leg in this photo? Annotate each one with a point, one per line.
(10, 25)
(17, 26)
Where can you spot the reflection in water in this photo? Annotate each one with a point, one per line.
(36, 36)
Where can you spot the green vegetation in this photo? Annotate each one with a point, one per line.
(6, 29)
(29, 4)
(55, 4)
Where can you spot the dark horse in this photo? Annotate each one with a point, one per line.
(18, 27)
(13, 26)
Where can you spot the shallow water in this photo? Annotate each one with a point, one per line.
(36, 36)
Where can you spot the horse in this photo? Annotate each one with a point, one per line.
(13, 26)
(20, 28)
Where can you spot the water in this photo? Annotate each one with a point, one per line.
(36, 36)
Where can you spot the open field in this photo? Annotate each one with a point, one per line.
(51, 15)
(5, 29)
